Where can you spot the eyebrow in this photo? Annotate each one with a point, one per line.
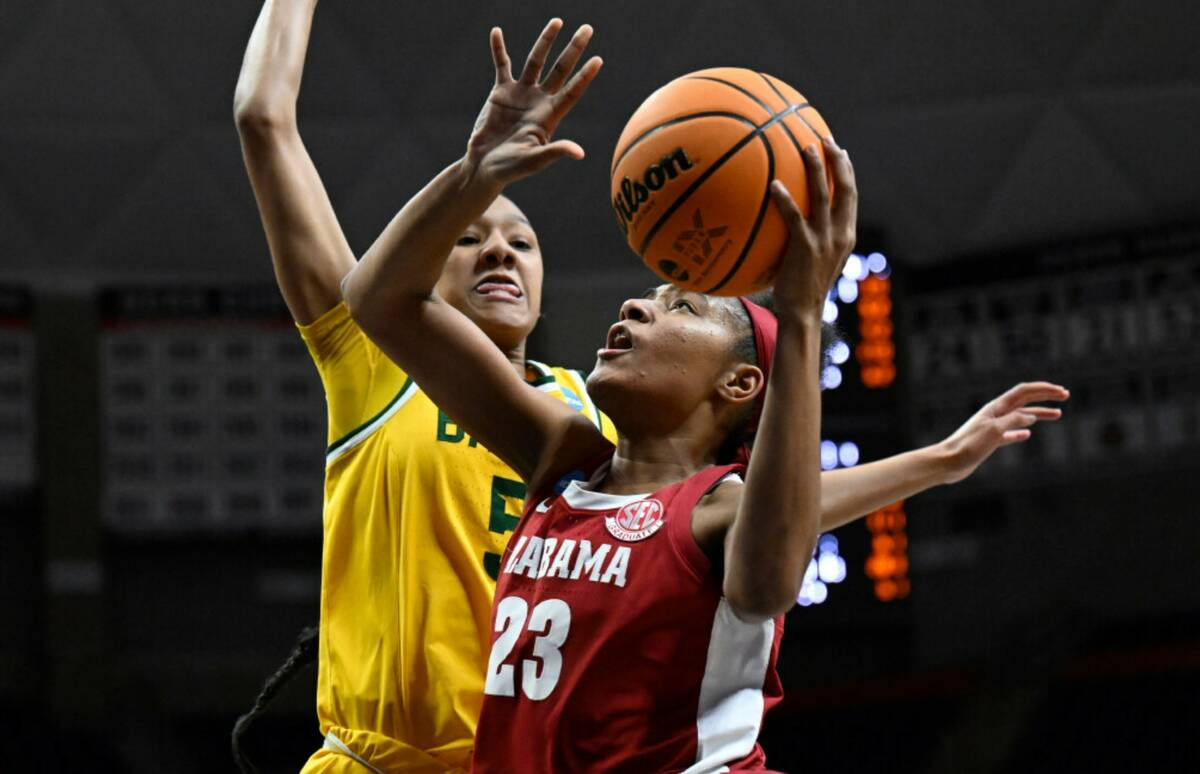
(507, 220)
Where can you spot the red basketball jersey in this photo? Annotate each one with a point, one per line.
(613, 649)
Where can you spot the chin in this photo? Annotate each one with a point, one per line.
(612, 391)
(505, 331)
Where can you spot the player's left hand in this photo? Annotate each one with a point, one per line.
(1005, 420)
(819, 243)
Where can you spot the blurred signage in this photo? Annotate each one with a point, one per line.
(18, 386)
(213, 414)
(1117, 321)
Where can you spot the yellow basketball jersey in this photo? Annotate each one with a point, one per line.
(417, 515)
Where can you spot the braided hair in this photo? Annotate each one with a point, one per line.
(304, 652)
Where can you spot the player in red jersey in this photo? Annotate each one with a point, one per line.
(637, 616)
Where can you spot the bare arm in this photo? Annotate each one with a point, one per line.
(768, 545)
(391, 292)
(309, 252)
(851, 493)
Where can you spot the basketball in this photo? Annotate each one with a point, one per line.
(691, 175)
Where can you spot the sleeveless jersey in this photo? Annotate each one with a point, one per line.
(416, 516)
(613, 649)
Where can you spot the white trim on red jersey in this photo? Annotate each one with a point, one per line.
(731, 692)
(579, 497)
(579, 494)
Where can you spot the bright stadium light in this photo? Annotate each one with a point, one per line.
(854, 266)
(847, 290)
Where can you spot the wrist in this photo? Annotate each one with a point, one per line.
(942, 460)
(473, 179)
(800, 316)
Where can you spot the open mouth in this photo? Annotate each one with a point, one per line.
(619, 341)
(498, 286)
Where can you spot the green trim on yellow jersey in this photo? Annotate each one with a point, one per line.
(363, 431)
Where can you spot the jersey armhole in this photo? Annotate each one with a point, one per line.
(680, 529)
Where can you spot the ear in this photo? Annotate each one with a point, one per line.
(741, 384)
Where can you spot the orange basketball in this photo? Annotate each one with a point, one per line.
(691, 176)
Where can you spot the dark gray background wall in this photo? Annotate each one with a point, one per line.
(1054, 623)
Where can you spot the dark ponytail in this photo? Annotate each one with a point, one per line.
(304, 652)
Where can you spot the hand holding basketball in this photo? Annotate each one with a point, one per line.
(512, 136)
(818, 245)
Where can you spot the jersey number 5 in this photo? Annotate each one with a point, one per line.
(552, 620)
(499, 519)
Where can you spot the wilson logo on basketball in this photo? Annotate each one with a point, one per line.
(635, 193)
(636, 521)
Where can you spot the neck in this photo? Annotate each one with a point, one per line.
(516, 356)
(645, 463)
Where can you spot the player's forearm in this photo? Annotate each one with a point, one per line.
(269, 82)
(852, 493)
(778, 520)
(401, 269)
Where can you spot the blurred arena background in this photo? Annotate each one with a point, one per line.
(1030, 194)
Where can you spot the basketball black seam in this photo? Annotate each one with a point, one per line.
(762, 211)
(672, 122)
(792, 137)
(711, 169)
(804, 121)
(770, 110)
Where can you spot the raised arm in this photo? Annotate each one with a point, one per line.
(851, 493)
(309, 252)
(778, 518)
(391, 294)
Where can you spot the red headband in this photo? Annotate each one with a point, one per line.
(766, 330)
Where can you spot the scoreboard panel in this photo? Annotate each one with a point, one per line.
(18, 388)
(213, 414)
(1117, 321)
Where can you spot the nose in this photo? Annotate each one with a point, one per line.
(496, 252)
(637, 309)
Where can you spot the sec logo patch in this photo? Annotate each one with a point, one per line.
(636, 521)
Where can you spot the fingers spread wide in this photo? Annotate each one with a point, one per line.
(818, 188)
(567, 60)
(532, 71)
(845, 186)
(570, 94)
(500, 56)
(787, 205)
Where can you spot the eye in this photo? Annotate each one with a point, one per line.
(685, 304)
(521, 244)
(467, 239)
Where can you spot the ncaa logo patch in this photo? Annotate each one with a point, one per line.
(572, 399)
(636, 521)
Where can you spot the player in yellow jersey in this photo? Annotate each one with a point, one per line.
(416, 512)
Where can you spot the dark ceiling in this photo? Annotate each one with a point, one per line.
(973, 124)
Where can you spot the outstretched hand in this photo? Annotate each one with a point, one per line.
(512, 136)
(819, 244)
(1001, 422)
